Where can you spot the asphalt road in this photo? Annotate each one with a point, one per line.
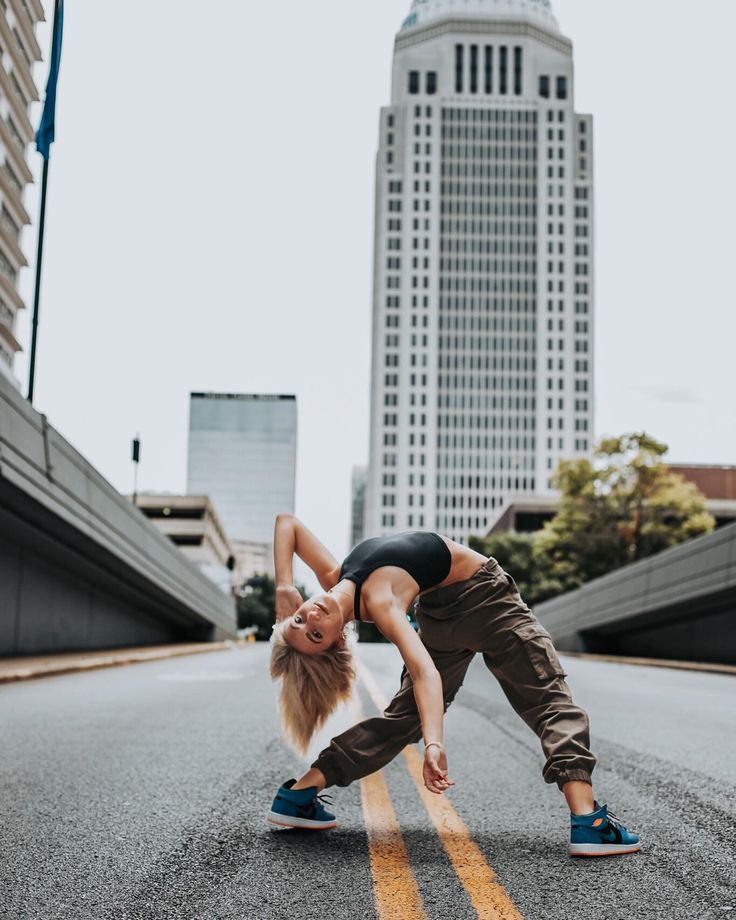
(139, 792)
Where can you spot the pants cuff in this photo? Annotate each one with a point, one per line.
(330, 778)
(567, 776)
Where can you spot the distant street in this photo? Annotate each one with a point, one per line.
(139, 792)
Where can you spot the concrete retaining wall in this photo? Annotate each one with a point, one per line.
(80, 567)
(678, 604)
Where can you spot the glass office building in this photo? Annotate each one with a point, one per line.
(242, 453)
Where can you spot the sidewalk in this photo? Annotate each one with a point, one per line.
(27, 667)
(657, 662)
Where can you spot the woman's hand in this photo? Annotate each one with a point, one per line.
(288, 601)
(435, 769)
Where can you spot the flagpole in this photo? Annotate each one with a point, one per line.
(42, 220)
(37, 293)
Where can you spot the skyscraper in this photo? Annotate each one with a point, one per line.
(242, 454)
(482, 375)
(357, 505)
(19, 50)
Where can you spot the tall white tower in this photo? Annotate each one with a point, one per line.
(482, 375)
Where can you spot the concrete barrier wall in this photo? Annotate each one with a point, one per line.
(80, 567)
(680, 603)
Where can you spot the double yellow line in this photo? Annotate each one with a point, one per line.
(396, 890)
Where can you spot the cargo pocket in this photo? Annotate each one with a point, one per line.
(537, 644)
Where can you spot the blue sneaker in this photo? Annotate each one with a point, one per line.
(300, 808)
(600, 834)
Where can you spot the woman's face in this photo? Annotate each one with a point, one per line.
(316, 626)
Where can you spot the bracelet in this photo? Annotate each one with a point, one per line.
(438, 744)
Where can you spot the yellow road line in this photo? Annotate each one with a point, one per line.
(488, 896)
(394, 885)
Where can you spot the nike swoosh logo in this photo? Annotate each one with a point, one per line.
(304, 811)
(611, 834)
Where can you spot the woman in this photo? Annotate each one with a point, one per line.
(467, 604)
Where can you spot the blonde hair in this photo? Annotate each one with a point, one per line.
(312, 686)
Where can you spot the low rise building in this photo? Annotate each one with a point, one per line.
(254, 557)
(718, 484)
(191, 522)
(529, 513)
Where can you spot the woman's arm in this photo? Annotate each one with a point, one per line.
(291, 536)
(392, 622)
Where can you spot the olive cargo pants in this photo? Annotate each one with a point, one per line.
(482, 614)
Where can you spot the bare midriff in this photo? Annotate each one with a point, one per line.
(465, 563)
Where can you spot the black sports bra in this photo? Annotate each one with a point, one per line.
(425, 556)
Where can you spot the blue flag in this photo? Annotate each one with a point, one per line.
(45, 136)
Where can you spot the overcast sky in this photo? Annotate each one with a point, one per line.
(210, 225)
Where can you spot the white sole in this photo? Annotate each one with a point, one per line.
(278, 820)
(603, 849)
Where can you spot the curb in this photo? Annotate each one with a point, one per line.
(703, 666)
(68, 664)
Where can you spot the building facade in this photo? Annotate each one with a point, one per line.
(357, 504)
(718, 485)
(191, 523)
(19, 50)
(254, 557)
(242, 454)
(482, 368)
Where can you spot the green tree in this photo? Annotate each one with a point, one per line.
(622, 506)
(515, 553)
(256, 604)
(519, 554)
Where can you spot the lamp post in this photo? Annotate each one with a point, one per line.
(44, 139)
(136, 461)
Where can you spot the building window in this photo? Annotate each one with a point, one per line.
(14, 180)
(488, 65)
(544, 87)
(562, 87)
(517, 71)
(459, 68)
(7, 269)
(504, 76)
(6, 316)
(10, 224)
(473, 68)
(413, 82)
(431, 82)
